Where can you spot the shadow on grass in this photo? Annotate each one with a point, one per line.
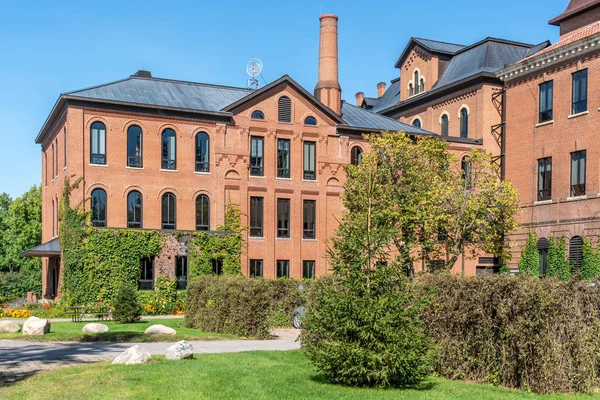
(422, 386)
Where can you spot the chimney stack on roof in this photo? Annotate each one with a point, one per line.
(328, 89)
(381, 89)
(360, 98)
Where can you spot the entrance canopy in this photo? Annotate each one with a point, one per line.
(48, 249)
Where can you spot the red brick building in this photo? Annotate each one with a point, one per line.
(552, 119)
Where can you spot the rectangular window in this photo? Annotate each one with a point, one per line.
(309, 219)
(283, 158)
(283, 268)
(181, 272)
(56, 172)
(52, 172)
(217, 266)
(545, 179)
(578, 173)
(147, 273)
(257, 149)
(65, 146)
(309, 161)
(256, 216)
(546, 91)
(256, 268)
(580, 88)
(308, 270)
(283, 218)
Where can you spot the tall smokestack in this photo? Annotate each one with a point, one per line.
(328, 89)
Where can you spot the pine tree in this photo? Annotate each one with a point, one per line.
(529, 264)
(558, 264)
(127, 308)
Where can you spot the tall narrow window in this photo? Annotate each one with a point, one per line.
(99, 208)
(65, 147)
(98, 143)
(56, 161)
(308, 270)
(169, 149)
(417, 123)
(309, 219)
(578, 173)
(422, 83)
(46, 167)
(310, 165)
(134, 209)
(202, 152)
(464, 123)
(467, 172)
(257, 149)
(283, 218)
(202, 213)
(410, 89)
(283, 158)
(256, 216)
(283, 268)
(134, 147)
(416, 82)
(545, 179)
(580, 89)
(146, 273)
(356, 155)
(445, 125)
(542, 246)
(217, 266)
(169, 211)
(53, 163)
(576, 252)
(546, 92)
(256, 268)
(53, 219)
(285, 109)
(181, 272)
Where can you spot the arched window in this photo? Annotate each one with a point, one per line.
(169, 209)
(445, 125)
(417, 123)
(542, 246)
(310, 121)
(134, 147)
(285, 109)
(422, 83)
(576, 252)
(257, 114)
(134, 209)
(464, 123)
(169, 149)
(53, 164)
(466, 168)
(98, 143)
(202, 152)
(202, 213)
(53, 218)
(46, 167)
(356, 155)
(410, 89)
(416, 82)
(99, 208)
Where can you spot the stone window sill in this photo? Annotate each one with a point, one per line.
(134, 168)
(98, 165)
(578, 115)
(577, 198)
(544, 123)
(543, 202)
(169, 170)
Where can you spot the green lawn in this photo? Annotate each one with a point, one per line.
(71, 332)
(253, 375)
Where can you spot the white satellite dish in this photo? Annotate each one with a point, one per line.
(253, 68)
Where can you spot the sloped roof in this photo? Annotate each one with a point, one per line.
(50, 248)
(574, 8)
(390, 97)
(582, 34)
(433, 46)
(357, 117)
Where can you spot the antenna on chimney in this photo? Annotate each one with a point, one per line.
(254, 68)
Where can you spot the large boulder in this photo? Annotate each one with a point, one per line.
(36, 326)
(95, 328)
(180, 351)
(9, 327)
(159, 330)
(133, 355)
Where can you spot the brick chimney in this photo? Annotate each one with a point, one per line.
(380, 89)
(360, 97)
(578, 15)
(328, 89)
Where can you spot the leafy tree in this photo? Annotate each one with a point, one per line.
(529, 263)
(590, 263)
(127, 309)
(558, 264)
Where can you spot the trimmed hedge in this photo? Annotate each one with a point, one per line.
(535, 334)
(240, 305)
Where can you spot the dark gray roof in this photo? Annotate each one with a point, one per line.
(165, 93)
(51, 248)
(439, 47)
(357, 117)
(370, 102)
(390, 97)
(537, 48)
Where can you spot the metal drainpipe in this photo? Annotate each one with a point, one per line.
(503, 141)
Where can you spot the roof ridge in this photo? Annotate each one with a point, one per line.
(189, 82)
(494, 39)
(439, 41)
(96, 86)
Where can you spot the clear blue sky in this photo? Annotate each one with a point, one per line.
(47, 48)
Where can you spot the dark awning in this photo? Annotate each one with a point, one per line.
(51, 248)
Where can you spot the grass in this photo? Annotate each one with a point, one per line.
(71, 332)
(251, 375)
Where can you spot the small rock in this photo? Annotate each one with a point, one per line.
(180, 351)
(36, 326)
(159, 330)
(133, 355)
(9, 327)
(95, 328)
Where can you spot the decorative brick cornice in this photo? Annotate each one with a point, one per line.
(454, 99)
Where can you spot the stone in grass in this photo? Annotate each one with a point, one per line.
(9, 327)
(159, 330)
(133, 355)
(179, 351)
(95, 328)
(36, 326)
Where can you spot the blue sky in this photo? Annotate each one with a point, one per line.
(47, 48)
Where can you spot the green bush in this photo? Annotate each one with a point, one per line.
(17, 284)
(364, 329)
(590, 263)
(558, 264)
(529, 263)
(535, 334)
(126, 306)
(240, 305)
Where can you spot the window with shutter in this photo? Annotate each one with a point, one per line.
(285, 109)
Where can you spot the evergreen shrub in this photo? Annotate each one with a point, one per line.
(126, 306)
